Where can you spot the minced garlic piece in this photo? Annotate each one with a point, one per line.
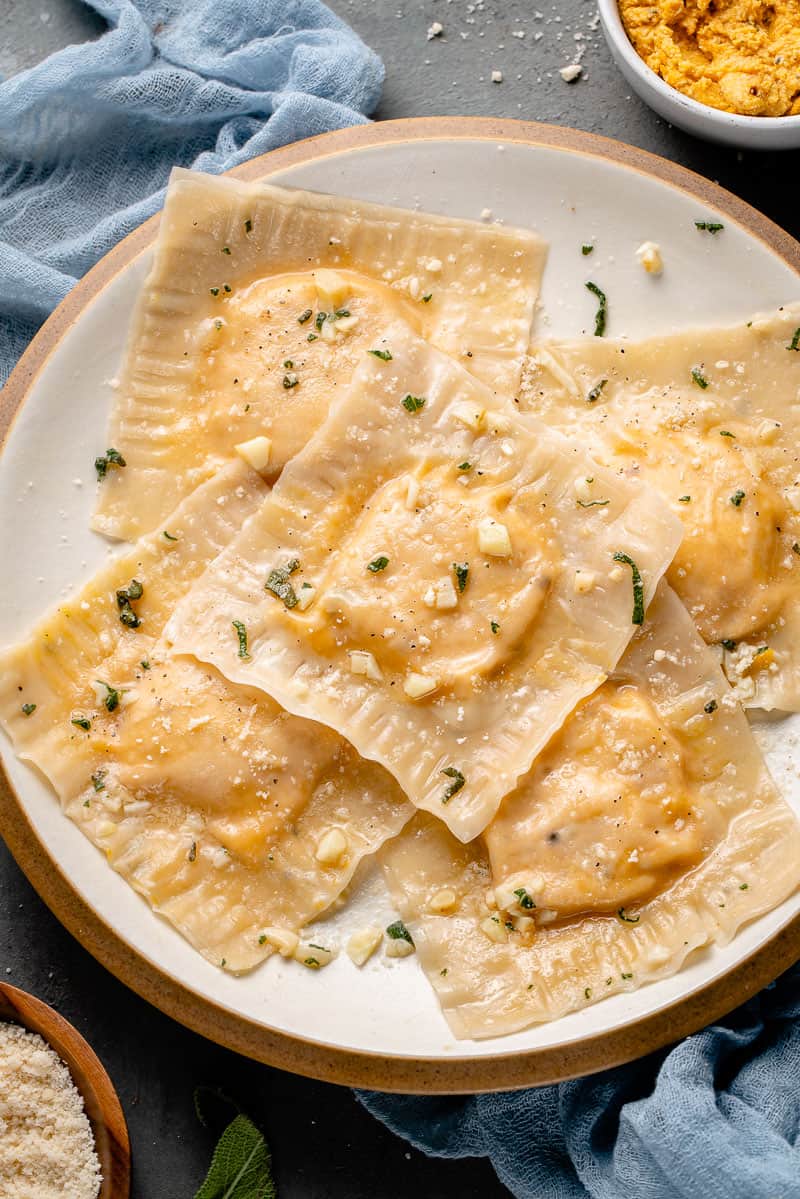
(443, 901)
(585, 581)
(398, 947)
(312, 955)
(282, 939)
(470, 415)
(305, 597)
(332, 288)
(649, 256)
(363, 662)
(494, 929)
(418, 685)
(441, 595)
(493, 539)
(332, 847)
(255, 452)
(363, 944)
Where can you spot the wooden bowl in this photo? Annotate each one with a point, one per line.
(99, 1097)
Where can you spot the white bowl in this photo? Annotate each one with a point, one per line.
(754, 133)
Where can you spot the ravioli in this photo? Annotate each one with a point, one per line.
(712, 418)
(259, 303)
(232, 818)
(434, 580)
(647, 828)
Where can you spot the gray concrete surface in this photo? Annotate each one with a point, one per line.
(325, 1146)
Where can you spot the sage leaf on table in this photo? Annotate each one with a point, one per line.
(241, 1165)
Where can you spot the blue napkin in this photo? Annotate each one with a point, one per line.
(88, 136)
(717, 1117)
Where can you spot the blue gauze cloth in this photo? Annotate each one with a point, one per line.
(717, 1117)
(88, 136)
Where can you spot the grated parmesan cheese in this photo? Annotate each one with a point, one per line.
(47, 1148)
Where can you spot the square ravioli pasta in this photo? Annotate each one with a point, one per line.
(435, 579)
(710, 417)
(648, 828)
(259, 302)
(237, 822)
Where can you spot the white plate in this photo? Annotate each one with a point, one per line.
(47, 492)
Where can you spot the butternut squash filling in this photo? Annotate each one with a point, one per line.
(606, 818)
(414, 584)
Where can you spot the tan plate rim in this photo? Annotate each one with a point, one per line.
(405, 1074)
(90, 1077)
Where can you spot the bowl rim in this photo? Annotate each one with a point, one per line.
(614, 30)
(90, 1078)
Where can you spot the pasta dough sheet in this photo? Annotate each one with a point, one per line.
(710, 417)
(648, 828)
(260, 302)
(206, 797)
(435, 580)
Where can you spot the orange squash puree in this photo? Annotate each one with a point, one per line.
(741, 56)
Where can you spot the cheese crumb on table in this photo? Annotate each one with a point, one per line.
(571, 73)
(47, 1148)
(649, 256)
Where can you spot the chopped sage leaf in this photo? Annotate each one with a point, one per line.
(305, 316)
(796, 547)
(98, 780)
(312, 337)
(684, 499)
(312, 963)
(455, 786)
(626, 919)
(593, 503)
(226, 249)
(495, 627)
(320, 319)
(736, 498)
(744, 886)
(525, 900)
(638, 587)
(226, 287)
(241, 633)
(248, 226)
(262, 940)
(125, 597)
(384, 355)
(461, 571)
(28, 709)
(82, 722)
(192, 854)
(626, 976)
(145, 665)
(594, 394)
(725, 433)
(465, 466)
(699, 378)
(587, 992)
(427, 299)
(709, 226)
(586, 249)
(169, 536)
(111, 458)
(602, 309)
(398, 932)
(413, 403)
(214, 291)
(794, 344)
(378, 564)
(111, 700)
(340, 312)
(727, 644)
(278, 582)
